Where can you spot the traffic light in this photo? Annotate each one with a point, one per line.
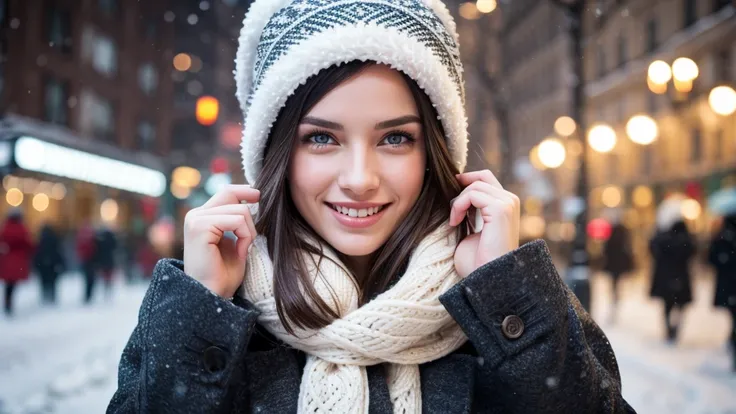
(207, 110)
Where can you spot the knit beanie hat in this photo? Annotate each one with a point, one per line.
(285, 42)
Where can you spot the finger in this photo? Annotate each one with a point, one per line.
(487, 176)
(464, 201)
(212, 228)
(227, 209)
(233, 194)
(484, 187)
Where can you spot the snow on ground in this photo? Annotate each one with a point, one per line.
(53, 358)
(63, 360)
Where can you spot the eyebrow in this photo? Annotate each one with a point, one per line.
(391, 123)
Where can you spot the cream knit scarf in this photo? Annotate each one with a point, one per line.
(404, 326)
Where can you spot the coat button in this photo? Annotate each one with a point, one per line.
(215, 359)
(512, 327)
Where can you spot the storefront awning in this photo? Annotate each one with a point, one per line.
(40, 147)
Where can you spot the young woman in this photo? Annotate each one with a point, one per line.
(353, 283)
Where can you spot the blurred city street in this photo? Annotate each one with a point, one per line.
(64, 361)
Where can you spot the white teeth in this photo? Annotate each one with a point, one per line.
(352, 212)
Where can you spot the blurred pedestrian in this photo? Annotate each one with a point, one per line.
(86, 246)
(49, 262)
(672, 250)
(16, 251)
(104, 257)
(618, 256)
(722, 255)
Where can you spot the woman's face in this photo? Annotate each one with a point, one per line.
(358, 161)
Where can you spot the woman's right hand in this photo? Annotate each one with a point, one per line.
(217, 261)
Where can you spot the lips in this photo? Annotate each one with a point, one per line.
(357, 215)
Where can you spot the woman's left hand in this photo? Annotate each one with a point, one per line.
(500, 211)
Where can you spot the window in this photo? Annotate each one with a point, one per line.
(690, 13)
(59, 29)
(148, 78)
(97, 116)
(719, 4)
(696, 145)
(146, 136)
(720, 145)
(601, 62)
(55, 102)
(652, 103)
(652, 28)
(647, 160)
(100, 51)
(723, 66)
(622, 52)
(108, 7)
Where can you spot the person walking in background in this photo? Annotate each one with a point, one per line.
(49, 262)
(86, 245)
(618, 254)
(16, 251)
(722, 255)
(672, 250)
(104, 257)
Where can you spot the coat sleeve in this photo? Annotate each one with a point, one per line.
(185, 354)
(560, 363)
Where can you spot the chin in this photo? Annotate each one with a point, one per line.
(355, 245)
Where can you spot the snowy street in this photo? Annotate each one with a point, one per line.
(63, 360)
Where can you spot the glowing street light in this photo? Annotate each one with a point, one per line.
(602, 138)
(207, 109)
(565, 126)
(469, 11)
(658, 75)
(642, 129)
(659, 72)
(722, 100)
(486, 6)
(684, 71)
(551, 152)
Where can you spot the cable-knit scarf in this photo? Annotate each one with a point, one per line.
(404, 326)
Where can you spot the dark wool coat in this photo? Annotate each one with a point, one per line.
(618, 253)
(722, 255)
(672, 252)
(194, 352)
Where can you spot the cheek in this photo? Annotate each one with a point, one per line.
(406, 176)
(307, 179)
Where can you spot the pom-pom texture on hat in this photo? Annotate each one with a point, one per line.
(285, 42)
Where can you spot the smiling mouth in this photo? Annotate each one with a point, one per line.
(357, 212)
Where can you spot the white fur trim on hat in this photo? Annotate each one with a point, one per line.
(359, 41)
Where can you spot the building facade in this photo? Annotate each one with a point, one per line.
(695, 151)
(91, 76)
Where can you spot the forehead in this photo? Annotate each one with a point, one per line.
(375, 93)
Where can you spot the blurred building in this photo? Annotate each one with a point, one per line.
(694, 152)
(537, 78)
(86, 105)
(207, 126)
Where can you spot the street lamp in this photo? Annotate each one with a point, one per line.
(722, 100)
(602, 138)
(551, 152)
(642, 129)
(684, 72)
(577, 275)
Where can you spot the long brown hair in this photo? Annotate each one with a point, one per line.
(297, 301)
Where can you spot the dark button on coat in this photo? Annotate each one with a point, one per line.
(562, 362)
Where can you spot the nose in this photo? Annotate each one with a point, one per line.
(359, 173)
